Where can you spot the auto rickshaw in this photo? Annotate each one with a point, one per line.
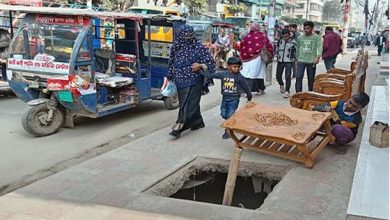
(154, 10)
(9, 23)
(57, 64)
(159, 33)
(229, 28)
(202, 28)
(222, 53)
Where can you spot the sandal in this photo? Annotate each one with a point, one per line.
(176, 130)
(175, 133)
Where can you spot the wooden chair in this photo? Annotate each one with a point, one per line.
(307, 100)
(334, 86)
(343, 71)
(337, 82)
(332, 76)
(340, 74)
(336, 73)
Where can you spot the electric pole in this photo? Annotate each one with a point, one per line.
(89, 4)
(346, 25)
(271, 35)
(307, 9)
(376, 25)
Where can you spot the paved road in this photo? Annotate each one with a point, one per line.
(97, 188)
(24, 158)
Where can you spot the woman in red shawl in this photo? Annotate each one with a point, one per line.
(253, 68)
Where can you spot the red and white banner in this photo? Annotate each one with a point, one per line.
(36, 3)
(58, 84)
(128, 58)
(38, 66)
(62, 20)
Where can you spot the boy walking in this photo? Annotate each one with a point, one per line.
(286, 55)
(309, 48)
(231, 85)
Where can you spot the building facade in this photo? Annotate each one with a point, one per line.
(265, 5)
(256, 8)
(357, 18)
(309, 10)
(289, 8)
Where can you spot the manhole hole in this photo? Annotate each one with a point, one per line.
(204, 179)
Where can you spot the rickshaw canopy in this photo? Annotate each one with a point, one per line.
(223, 25)
(86, 13)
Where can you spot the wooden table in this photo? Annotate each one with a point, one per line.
(285, 132)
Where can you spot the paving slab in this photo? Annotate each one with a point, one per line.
(112, 185)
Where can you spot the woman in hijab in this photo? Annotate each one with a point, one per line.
(188, 58)
(253, 68)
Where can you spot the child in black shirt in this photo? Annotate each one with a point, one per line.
(232, 82)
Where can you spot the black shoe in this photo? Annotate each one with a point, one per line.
(175, 133)
(225, 135)
(199, 126)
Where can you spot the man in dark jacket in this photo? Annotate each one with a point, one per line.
(286, 49)
(294, 34)
(332, 47)
(380, 42)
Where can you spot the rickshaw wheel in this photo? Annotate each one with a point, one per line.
(171, 102)
(34, 120)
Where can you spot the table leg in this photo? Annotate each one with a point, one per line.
(328, 132)
(232, 176)
(309, 162)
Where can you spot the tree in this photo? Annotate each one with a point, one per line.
(332, 11)
(196, 7)
(110, 5)
(290, 20)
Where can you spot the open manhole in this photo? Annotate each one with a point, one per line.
(204, 179)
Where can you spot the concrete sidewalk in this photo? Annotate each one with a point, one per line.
(111, 186)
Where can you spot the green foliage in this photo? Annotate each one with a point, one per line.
(332, 11)
(290, 20)
(242, 8)
(114, 5)
(196, 7)
(233, 9)
(110, 5)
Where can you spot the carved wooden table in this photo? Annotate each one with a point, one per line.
(284, 132)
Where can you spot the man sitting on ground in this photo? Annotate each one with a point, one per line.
(346, 118)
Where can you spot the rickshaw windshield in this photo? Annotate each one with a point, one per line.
(199, 29)
(43, 42)
(145, 11)
(202, 31)
(239, 22)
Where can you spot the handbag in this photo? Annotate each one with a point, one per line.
(265, 55)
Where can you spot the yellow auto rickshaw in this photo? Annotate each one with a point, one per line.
(158, 33)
